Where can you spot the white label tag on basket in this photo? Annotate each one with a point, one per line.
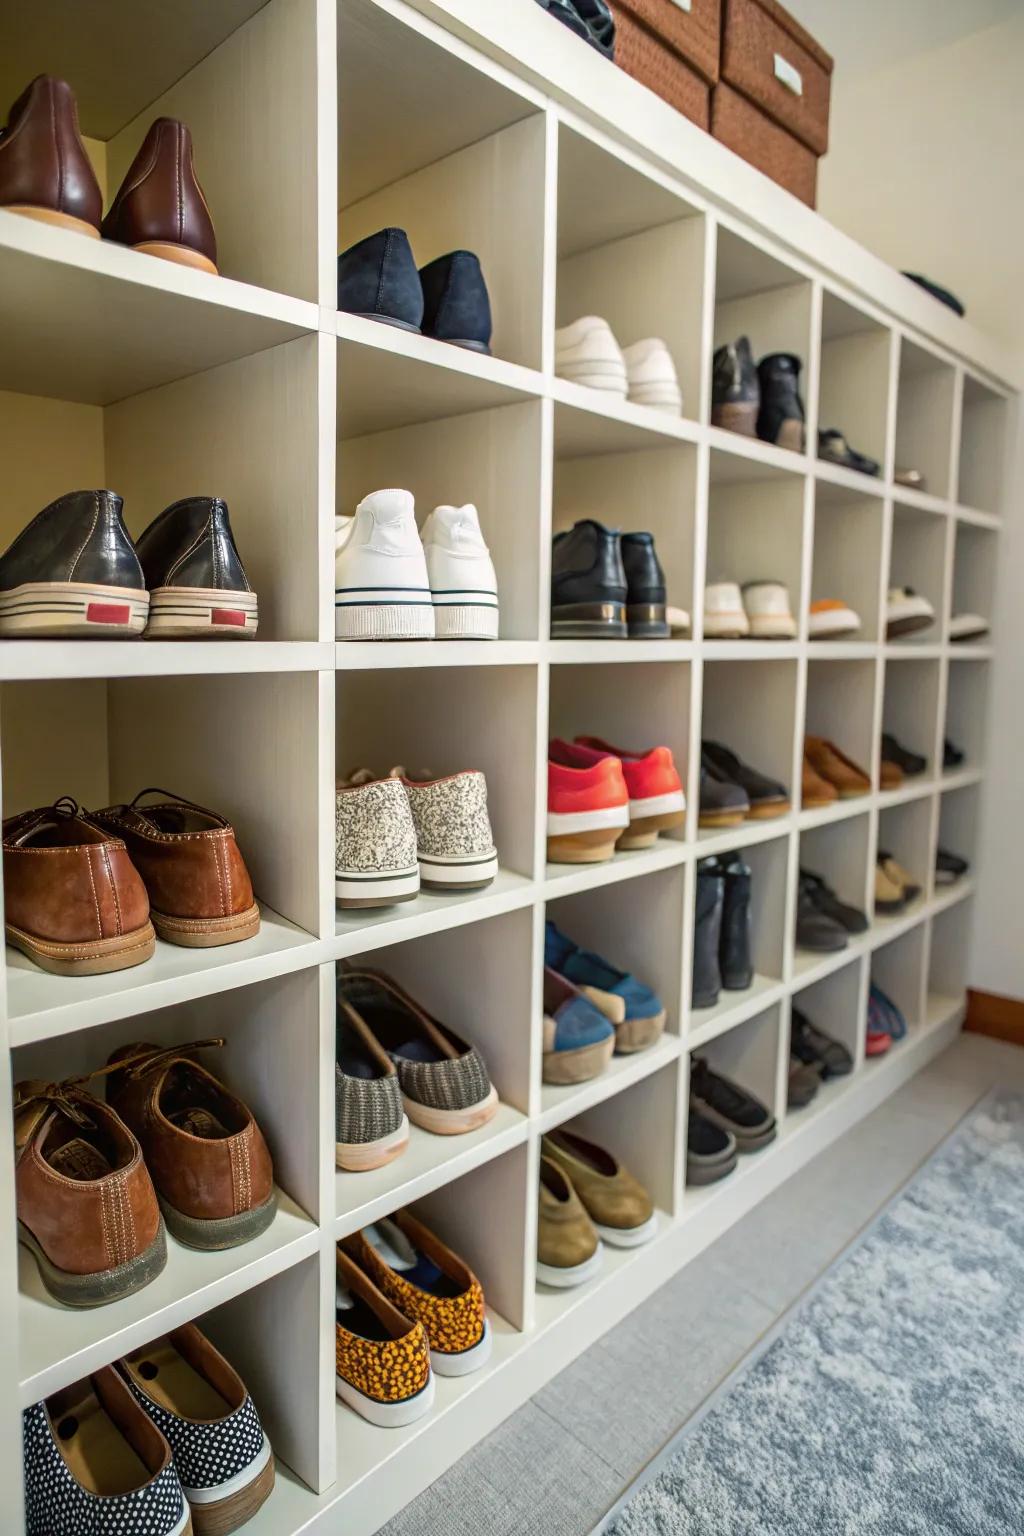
(684, 5)
(789, 75)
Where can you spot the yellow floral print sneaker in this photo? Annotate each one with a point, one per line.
(382, 1359)
(426, 1281)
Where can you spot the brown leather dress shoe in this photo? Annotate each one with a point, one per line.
(73, 901)
(199, 888)
(45, 172)
(86, 1205)
(815, 792)
(836, 768)
(209, 1162)
(160, 207)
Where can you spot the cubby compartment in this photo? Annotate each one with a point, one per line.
(975, 567)
(839, 853)
(917, 559)
(841, 708)
(768, 864)
(967, 688)
(245, 431)
(910, 712)
(755, 527)
(906, 834)
(760, 297)
(631, 251)
(630, 705)
(491, 458)
(244, 745)
(750, 707)
(854, 385)
(925, 402)
(984, 440)
(647, 490)
(835, 1006)
(469, 176)
(847, 563)
(948, 961)
(750, 1055)
(959, 820)
(897, 969)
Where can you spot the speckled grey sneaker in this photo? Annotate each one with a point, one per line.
(454, 841)
(375, 862)
(371, 1127)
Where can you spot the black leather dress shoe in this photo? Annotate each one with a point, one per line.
(588, 584)
(780, 419)
(910, 762)
(768, 798)
(722, 803)
(74, 572)
(735, 389)
(816, 1049)
(645, 588)
(815, 931)
(828, 903)
(197, 584)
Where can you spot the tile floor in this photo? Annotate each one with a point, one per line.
(559, 1463)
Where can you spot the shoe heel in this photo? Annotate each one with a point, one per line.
(736, 416)
(644, 833)
(589, 621)
(181, 255)
(54, 216)
(594, 847)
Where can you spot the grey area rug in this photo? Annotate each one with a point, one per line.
(891, 1401)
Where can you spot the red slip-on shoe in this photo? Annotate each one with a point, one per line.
(588, 806)
(656, 799)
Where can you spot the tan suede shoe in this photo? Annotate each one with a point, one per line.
(815, 792)
(620, 1208)
(569, 1251)
(836, 768)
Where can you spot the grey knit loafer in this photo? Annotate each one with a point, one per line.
(444, 1083)
(371, 1127)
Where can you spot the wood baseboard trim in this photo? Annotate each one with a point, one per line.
(1000, 1017)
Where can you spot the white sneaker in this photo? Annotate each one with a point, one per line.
(463, 585)
(967, 626)
(652, 376)
(725, 617)
(381, 588)
(587, 353)
(678, 621)
(767, 605)
(907, 611)
(830, 617)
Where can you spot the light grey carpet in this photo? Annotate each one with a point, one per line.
(892, 1402)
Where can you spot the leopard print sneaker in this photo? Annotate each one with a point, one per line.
(382, 1359)
(375, 863)
(454, 841)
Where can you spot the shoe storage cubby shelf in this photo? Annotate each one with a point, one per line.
(478, 124)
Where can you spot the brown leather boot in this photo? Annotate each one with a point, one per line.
(73, 902)
(199, 888)
(86, 1205)
(160, 207)
(44, 170)
(207, 1155)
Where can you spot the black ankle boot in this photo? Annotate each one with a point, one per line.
(735, 390)
(707, 978)
(781, 417)
(734, 957)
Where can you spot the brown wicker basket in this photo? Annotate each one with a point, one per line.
(673, 51)
(762, 143)
(770, 59)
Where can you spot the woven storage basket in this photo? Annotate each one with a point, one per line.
(762, 143)
(672, 50)
(771, 60)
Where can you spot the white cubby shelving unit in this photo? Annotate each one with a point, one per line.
(471, 123)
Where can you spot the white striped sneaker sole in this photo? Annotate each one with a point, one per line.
(386, 613)
(180, 613)
(375, 888)
(466, 870)
(466, 620)
(69, 608)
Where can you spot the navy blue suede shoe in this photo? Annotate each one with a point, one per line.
(456, 307)
(378, 279)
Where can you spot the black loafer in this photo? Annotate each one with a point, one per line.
(730, 1107)
(768, 798)
(814, 931)
(834, 449)
(811, 1045)
(722, 804)
(197, 583)
(949, 867)
(911, 762)
(645, 588)
(710, 1152)
(588, 584)
(952, 757)
(828, 903)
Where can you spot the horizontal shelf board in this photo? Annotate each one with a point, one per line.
(58, 1345)
(40, 1006)
(715, 840)
(824, 1103)
(834, 477)
(37, 659)
(917, 788)
(558, 1104)
(884, 929)
(552, 1305)
(594, 421)
(126, 321)
(731, 1009)
(839, 810)
(939, 1007)
(913, 650)
(960, 651)
(428, 1162)
(751, 650)
(919, 501)
(809, 967)
(949, 895)
(737, 458)
(842, 650)
(361, 932)
(978, 518)
(371, 655)
(567, 879)
(960, 778)
(391, 378)
(589, 652)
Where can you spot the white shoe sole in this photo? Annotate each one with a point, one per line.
(361, 1156)
(628, 1237)
(657, 805)
(726, 626)
(467, 1361)
(386, 1415)
(178, 613)
(466, 621)
(659, 397)
(468, 872)
(609, 377)
(565, 823)
(393, 613)
(71, 608)
(452, 1122)
(841, 621)
(234, 1484)
(377, 889)
(907, 618)
(772, 626)
(579, 1274)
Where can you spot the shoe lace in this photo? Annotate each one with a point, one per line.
(151, 1060)
(63, 809)
(69, 1096)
